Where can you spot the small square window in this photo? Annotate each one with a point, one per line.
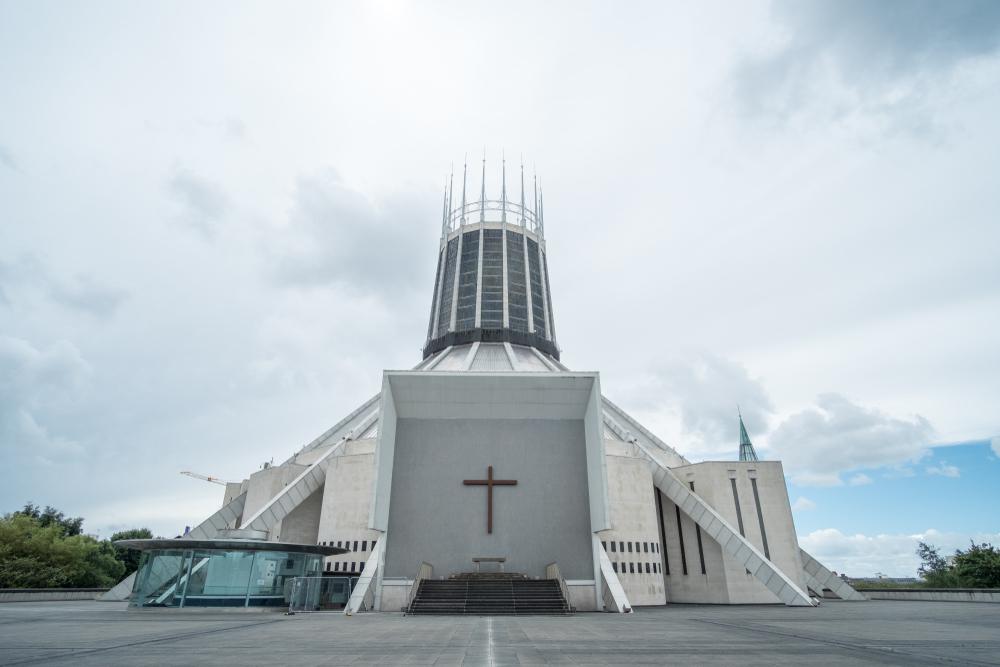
(621, 547)
(327, 567)
(615, 566)
(361, 567)
(353, 566)
(340, 544)
(336, 566)
(630, 547)
(637, 547)
(631, 568)
(647, 568)
(645, 547)
(604, 544)
(364, 545)
(355, 546)
(613, 547)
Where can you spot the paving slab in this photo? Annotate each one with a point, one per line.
(837, 633)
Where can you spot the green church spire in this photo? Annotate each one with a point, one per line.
(746, 447)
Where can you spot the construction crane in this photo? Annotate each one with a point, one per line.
(207, 478)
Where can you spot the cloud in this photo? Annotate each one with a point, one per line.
(862, 555)
(338, 236)
(836, 435)
(860, 479)
(31, 379)
(81, 292)
(840, 56)
(203, 202)
(7, 159)
(701, 393)
(944, 470)
(803, 504)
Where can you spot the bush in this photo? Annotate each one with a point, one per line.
(39, 554)
(978, 567)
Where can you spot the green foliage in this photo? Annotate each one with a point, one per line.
(36, 552)
(130, 557)
(50, 516)
(934, 568)
(978, 567)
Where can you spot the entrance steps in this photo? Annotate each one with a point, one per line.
(489, 595)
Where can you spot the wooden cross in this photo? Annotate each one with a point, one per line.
(489, 483)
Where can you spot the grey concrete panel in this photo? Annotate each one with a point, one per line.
(433, 517)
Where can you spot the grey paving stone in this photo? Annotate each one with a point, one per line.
(879, 632)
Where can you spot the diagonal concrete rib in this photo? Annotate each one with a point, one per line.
(226, 517)
(300, 488)
(733, 544)
(826, 579)
(619, 600)
(362, 597)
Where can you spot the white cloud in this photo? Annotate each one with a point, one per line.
(700, 393)
(838, 435)
(859, 479)
(203, 202)
(862, 555)
(32, 381)
(943, 470)
(844, 58)
(803, 504)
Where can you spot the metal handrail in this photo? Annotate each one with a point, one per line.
(517, 216)
(425, 571)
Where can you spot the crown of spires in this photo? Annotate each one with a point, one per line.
(526, 214)
(747, 452)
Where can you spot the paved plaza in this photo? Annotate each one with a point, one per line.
(897, 633)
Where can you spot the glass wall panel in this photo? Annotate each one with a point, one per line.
(218, 579)
(491, 314)
(535, 274)
(447, 287)
(161, 578)
(516, 288)
(468, 273)
(273, 572)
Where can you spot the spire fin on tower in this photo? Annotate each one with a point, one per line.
(747, 452)
(482, 192)
(465, 172)
(503, 187)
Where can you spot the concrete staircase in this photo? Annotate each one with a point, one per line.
(489, 595)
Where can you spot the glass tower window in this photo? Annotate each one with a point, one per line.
(469, 268)
(447, 286)
(491, 313)
(535, 274)
(437, 277)
(516, 288)
(548, 295)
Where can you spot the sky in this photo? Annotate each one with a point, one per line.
(218, 225)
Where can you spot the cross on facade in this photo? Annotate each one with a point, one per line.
(489, 483)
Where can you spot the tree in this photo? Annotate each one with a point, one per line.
(37, 552)
(50, 516)
(979, 567)
(130, 557)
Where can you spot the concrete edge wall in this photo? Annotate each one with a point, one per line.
(934, 594)
(49, 594)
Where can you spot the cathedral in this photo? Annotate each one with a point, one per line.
(491, 478)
